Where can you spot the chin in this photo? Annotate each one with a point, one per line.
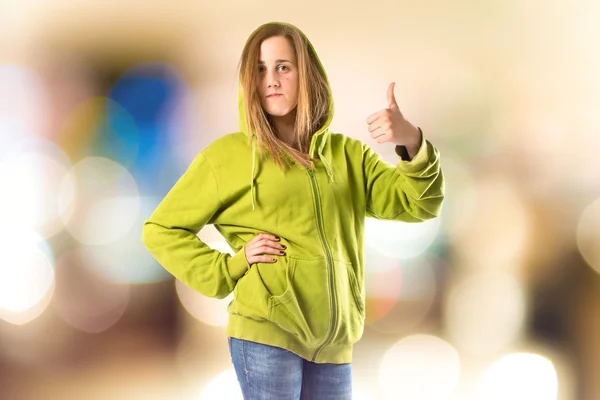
(279, 113)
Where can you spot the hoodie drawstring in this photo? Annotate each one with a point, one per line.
(252, 191)
(324, 159)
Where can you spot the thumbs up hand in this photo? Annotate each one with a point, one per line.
(389, 125)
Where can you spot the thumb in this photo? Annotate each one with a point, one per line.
(390, 95)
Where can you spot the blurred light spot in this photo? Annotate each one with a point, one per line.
(358, 394)
(154, 95)
(224, 386)
(80, 127)
(403, 309)
(377, 262)
(84, 299)
(126, 260)
(520, 376)
(103, 201)
(497, 228)
(485, 312)
(213, 238)
(26, 275)
(382, 292)
(205, 309)
(220, 245)
(588, 235)
(419, 367)
(29, 177)
(383, 280)
(24, 111)
(400, 239)
(460, 198)
(145, 91)
(117, 136)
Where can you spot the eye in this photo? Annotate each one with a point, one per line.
(283, 68)
(261, 68)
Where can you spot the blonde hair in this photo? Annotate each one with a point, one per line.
(313, 94)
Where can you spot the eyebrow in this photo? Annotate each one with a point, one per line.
(276, 61)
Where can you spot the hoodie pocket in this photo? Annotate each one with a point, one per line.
(356, 290)
(251, 296)
(350, 310)
(303, 309)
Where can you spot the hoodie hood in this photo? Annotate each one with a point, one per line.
(318, 141)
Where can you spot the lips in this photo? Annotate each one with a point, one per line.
(272, 95)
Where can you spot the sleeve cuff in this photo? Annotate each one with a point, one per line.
(419, 161)
(238, 265)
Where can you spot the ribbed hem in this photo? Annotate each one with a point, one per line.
(238, 265)
(419, 161)
(268, 333)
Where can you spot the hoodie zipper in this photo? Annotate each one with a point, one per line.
(329, 264)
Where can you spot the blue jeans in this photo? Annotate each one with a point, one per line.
(266, 372)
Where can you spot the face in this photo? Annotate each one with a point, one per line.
(278, 77)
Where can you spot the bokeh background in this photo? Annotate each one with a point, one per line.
(104, 104)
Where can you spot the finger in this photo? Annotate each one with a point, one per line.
(265, 250)
(266, 236)
(374, 127)
(261, 259)
(379, 132)
(380, 136)
(258, 241)
(373, 117)
(391, 98)
(267, 243)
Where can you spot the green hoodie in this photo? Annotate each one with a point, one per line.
(312, 300)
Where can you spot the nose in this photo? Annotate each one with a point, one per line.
(272, 79)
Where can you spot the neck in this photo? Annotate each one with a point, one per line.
(284, 128)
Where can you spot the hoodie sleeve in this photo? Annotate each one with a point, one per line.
(411, 191)
(170, 234)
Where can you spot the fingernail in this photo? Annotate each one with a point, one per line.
(274, 260)
(284, 247)
(282, 253)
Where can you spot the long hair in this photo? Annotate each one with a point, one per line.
(313, 94)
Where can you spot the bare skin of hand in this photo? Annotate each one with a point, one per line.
(389, 125)
(264, 244)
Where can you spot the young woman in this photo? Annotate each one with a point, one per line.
(291, 199)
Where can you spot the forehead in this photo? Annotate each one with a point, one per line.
(276, 48)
